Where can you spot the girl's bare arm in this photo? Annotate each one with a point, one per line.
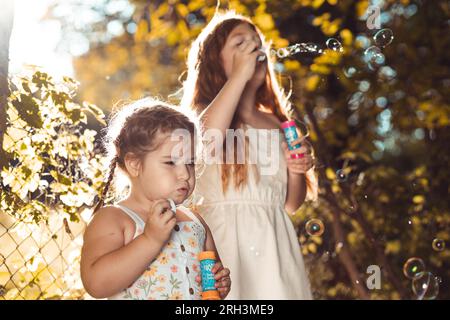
(107, 264)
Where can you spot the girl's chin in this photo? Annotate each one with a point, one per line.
(179, 198)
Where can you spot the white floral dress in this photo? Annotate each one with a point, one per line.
(171, 276)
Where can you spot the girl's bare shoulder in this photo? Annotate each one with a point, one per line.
(108, 219)
(270, 120)
(198, 215)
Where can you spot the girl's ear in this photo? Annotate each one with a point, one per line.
(132, 164)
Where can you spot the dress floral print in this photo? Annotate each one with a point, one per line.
(171, 276)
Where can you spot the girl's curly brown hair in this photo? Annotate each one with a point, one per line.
(134, 129)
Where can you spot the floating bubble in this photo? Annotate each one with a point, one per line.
(364, 86)
(326, 256)
(383, 37)
(310, 47)
(334, 44)
(419, 134)
(273, 52)
(381, 102)
(350, 72)
(425, 286)
(341, 175)
(386, 73)
(438, 244)
(282, 53)
(355, 100)
(410, 11)
(314, 227)
(362, 41)
(373, 57)
(338, 247)
(412, 267)
(294, 49)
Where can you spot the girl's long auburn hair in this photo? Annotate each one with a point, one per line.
(206, 77)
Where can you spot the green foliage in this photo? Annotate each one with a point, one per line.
(51, 162)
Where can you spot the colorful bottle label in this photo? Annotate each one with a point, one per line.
(290, 132)
(208, 281)
(291, 135)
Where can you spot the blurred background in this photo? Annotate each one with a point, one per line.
(373, 93)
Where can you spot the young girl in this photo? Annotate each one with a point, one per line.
(230, 87)
(139, 248)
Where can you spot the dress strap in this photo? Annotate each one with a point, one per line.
(191, 215)
(133, 215)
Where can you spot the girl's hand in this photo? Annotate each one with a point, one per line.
(245, 59)
(223, 281)
(160, 222)
(298, 166)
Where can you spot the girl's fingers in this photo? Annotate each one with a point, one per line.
(168, 216)
(160, 206)
(301, 169)
(297, 141)
(300, 164)
(223, 292)
(303, 149)
(217, 267)
(172, 222)
(303, 164)
(247, 46)
(198, 279)
(223, 273)
(252, 47)
(224, 283)
(306, 158)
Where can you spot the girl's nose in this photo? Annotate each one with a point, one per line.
(183, 172)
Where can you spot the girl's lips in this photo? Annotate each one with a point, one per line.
(183, 190)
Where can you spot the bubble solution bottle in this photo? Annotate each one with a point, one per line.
(207, 261)
(290, 132)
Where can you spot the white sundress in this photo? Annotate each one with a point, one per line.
(253, 233)
(171, 276)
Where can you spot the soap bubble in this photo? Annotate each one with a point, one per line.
(383, 37)
(386, 73)
(373, 57)
(438, 244)
(425, 286)
(413, 266)
(334, 44)
(302, 47)
(341, 176)
(362, 41)
(338, 247)
(282, 53)
(314, 227)
(350, 72)
(381, 102)
(312, 47)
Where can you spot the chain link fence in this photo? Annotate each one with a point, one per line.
(41, 261)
